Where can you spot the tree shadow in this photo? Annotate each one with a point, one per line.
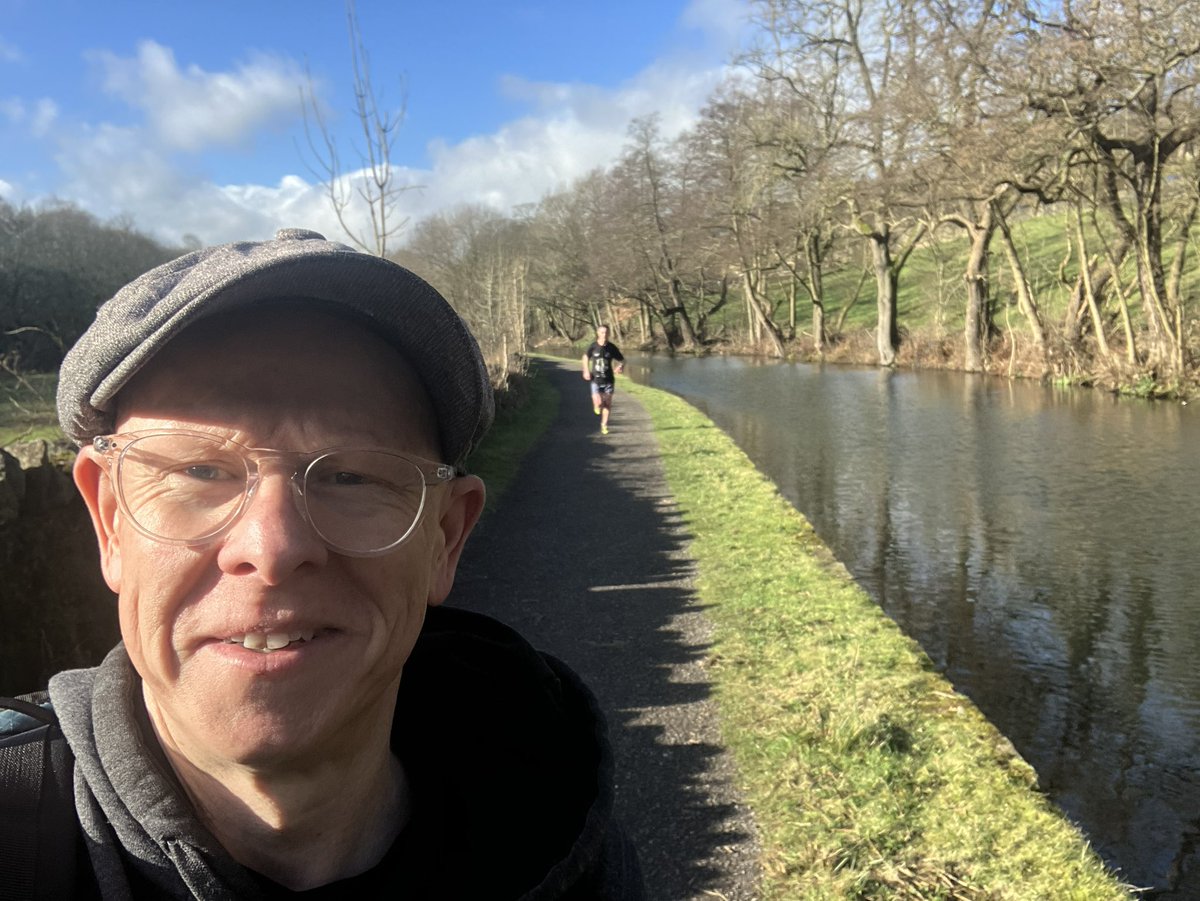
(586, 557)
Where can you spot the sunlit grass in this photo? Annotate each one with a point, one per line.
(931, 289)
(516, 430)
(932, 294)
(27, 407)
(868, 775)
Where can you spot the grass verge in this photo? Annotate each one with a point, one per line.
(516, 430)
(869, 777)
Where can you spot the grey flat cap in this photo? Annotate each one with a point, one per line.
(298, 264)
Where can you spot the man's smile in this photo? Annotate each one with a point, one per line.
(270, 641)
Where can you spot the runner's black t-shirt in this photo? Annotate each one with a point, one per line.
(600, 361)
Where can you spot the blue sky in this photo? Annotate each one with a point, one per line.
(187, 116)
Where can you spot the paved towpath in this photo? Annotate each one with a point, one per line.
(586, 556)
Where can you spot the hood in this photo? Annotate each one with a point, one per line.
(505, 745)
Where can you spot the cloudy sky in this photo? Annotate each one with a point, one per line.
(187, 117)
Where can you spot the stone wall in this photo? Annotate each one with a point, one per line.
(55, 610)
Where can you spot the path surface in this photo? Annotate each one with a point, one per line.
(586, 557)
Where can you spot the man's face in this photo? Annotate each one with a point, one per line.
(300, 383)
(602, 335)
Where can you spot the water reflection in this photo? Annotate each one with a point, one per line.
(1040, 544)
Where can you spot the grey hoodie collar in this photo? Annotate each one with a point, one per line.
(126, 793)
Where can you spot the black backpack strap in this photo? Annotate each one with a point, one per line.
(38, 824)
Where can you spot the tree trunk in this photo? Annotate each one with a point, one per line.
(761, 317)
(1131, 351)
(887, 338)
(818, 327)
(1151, 275)
(1093, 283)
(1089, 293)
(978, 322)
(689, 340)
(816, 290)
(752, 329)
(1024, 291)
(1175, 280)
(813, 284)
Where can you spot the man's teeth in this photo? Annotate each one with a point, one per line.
(269, 641)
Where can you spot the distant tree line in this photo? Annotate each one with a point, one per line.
(855, 137)
(855, 134)
(57, 265)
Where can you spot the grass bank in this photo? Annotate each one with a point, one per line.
(868, 775)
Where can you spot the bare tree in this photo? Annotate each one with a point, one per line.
(966, 175)
(726, 153)
(868, 125)
(372, 186)
(801, 125)
(860, 60)
(566, 284)
(642, 181)
(479, 260)
(1122, 81)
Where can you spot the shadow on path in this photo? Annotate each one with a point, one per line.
(586, 556)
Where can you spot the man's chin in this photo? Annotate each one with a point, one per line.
(243, 701)
(272, 732)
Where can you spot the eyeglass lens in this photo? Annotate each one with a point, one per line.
(187, 487)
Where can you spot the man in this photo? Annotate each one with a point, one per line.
(598, 368)
(273, 442)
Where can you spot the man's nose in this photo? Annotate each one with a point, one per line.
(272, 538)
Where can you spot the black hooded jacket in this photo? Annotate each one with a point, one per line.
(505, 750)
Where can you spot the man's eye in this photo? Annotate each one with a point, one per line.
(205, 472)
(343, 477)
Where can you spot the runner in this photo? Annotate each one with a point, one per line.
(599, 370)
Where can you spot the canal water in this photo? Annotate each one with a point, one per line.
(1042, 545)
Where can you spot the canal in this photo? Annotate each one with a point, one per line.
(1042, 545)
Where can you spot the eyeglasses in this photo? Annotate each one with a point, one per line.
(184, 487)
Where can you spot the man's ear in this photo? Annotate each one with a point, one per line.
(460, 511)
(93, 482)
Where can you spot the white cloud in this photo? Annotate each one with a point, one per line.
(7, 191)
(571, 129)
(193, 109)
(113, 170)
(293, 202)
(577, 128)
(136, 170)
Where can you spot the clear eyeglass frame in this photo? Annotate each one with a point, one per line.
(113, 450)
